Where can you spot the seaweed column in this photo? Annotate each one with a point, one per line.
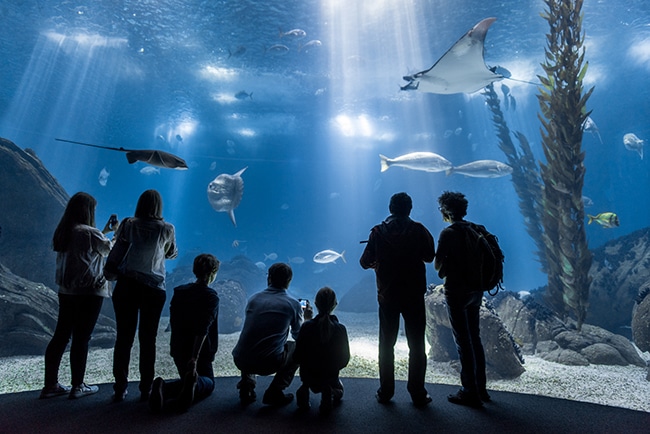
(563, 111)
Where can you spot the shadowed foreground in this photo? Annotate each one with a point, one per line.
(358, 413)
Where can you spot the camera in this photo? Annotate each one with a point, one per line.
(112, 221)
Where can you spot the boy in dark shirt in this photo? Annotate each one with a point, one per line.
(322, 350)
(194, 311)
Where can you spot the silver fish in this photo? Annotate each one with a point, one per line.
(225, 193)
(482, 169)
(327, 256)
(242, 94)
(294, 33)
(426, 161)
(278, 49)
(633, 143)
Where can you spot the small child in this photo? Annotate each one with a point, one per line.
(193, 313)
(322, 350)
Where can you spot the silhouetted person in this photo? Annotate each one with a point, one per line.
(193, 316)
(397, 250)
(263, 348)
(322, 350)
(81, 252)
(463, 301)
(139, 294)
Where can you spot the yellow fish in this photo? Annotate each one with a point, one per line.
(605, 219)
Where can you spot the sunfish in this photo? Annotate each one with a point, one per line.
(426, 161)
(327, 256)
(461, 69)
(225, 193)
(633, 143)
(482, 169)
(150, 156)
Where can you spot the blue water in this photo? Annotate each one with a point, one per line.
(137, 74)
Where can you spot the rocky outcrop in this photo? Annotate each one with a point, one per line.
(618, 271)
(362, 297)
(29, 315)
(540, 332)
(503, 359)
(641, 318)
(33, 202)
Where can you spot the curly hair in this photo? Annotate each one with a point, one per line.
(453, 205)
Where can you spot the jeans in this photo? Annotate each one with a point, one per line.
(463, 309)
(77, 318)
(414, 315)
(204, 383)
(130, 300)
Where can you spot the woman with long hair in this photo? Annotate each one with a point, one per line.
(81, 252)
(139, 294)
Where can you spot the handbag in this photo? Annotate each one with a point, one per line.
(113, 267)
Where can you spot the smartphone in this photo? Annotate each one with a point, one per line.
(303, 303)
(112, 221)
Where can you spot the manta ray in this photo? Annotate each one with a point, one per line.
(150, 156)
(225, 193)
(461, 69)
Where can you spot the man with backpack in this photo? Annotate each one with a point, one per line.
(397, 250)
(458, 264)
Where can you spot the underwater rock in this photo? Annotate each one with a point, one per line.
(361, 298)
(232, 305)
(641, 319)
(502, 355)
(29, 315)
(619, 269)
(33, 202)
(541, 332)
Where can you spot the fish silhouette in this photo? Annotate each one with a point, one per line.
(225, 193)
(461, 69)
(150, 156)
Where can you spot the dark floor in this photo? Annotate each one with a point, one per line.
(359, 412)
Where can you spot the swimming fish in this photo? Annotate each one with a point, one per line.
(461, 69)
(309, 45)
(296, 260)
(103, 177)
(590, 126)
(294, 33)
(278, 49)
(327, 256)
(426, 161)
(150, 156)
(238, 51)
(242, 94)
(482, 169)
(605, 219)
(271, 256)
(149, 170)
(225, 193)
(633, 143)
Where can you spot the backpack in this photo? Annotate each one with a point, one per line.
(486, 256)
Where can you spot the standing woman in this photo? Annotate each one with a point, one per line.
(81, 252)
(140, 290)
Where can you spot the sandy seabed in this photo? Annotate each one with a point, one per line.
(619, 386)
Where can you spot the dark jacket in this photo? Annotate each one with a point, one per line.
(194, 311)
(397, 250)
(452, 259)
(321, 361)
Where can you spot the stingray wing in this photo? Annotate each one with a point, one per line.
(156, 158)
(461, 69)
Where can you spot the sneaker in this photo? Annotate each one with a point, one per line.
(246, 393)
(82, 390)
(302, 397)
(57, 390)
(463, 398)
(422, 401)
(383, 398)
(156, 398)
(276, 398)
